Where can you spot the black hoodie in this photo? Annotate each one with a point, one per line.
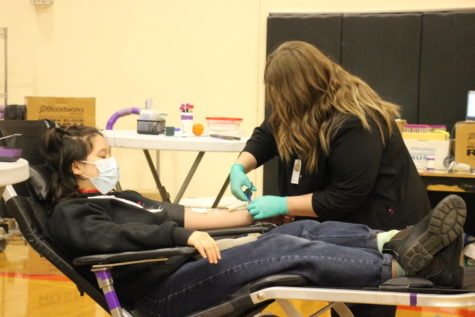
(119, 222)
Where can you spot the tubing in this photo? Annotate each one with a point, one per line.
(121, 113)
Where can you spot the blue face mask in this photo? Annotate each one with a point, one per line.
(108, 174)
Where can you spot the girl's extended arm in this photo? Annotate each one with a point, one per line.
(217, 218)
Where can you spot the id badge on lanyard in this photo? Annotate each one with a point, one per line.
(296, 172)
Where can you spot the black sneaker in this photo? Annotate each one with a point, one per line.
(415, 246)
(446, 268)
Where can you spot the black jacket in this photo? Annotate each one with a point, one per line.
(361, 180)
(94, 224)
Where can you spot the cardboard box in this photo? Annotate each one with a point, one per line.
(38, 265)
(425, 136)
(400, 124)
(63, 110)
(421, 149)
(465, 143)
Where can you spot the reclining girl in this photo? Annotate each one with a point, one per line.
(89, 217)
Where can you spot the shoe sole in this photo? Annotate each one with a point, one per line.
(445, 225)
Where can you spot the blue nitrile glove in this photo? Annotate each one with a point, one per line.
(268, 206)
(238, 179)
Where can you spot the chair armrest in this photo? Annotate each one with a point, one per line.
(259, 227)
(112, 258)
(133, 256)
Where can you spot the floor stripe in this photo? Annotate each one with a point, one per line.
(52, 277)
(448, 311)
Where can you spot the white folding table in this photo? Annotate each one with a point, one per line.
(201, 144)
(12, 173)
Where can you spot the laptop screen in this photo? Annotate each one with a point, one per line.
(471, 106)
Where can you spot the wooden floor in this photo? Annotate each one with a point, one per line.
(38, 295)
(26, 293)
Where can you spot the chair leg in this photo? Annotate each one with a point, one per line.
(3, 239)
(340, 308)
(288, 308)
(106, 283)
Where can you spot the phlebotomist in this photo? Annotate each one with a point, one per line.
(341, 156)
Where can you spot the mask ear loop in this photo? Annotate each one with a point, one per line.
(85, 177)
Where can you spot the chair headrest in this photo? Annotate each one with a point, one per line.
(39, 182)
(31, 132)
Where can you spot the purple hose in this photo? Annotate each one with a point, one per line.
(121, 113)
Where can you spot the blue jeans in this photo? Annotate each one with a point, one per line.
(329, 254)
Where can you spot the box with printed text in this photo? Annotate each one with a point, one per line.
(63, 110)
(465, 143)
(420, 150)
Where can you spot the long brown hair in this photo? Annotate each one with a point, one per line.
(311, 96)
(62, 147)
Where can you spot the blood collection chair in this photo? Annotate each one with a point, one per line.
(27, 203)
(30, 214)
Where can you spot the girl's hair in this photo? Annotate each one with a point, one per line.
(311, 96)
(61, 147)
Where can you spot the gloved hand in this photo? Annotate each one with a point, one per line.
(268, 206)
(238, 179)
